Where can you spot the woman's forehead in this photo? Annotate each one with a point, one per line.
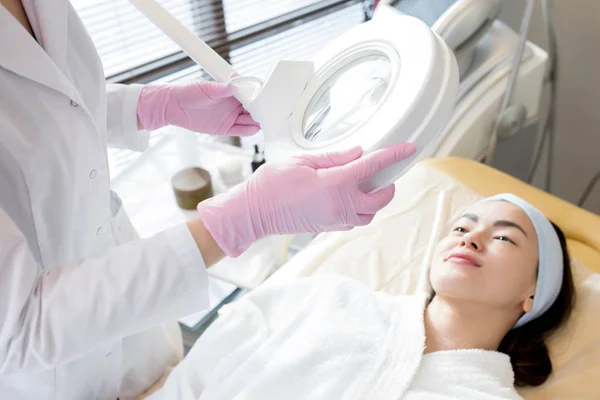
(490, 212)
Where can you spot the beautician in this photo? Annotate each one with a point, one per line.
(85, 306)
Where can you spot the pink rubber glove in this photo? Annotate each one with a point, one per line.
(308, 194)
(200, 106)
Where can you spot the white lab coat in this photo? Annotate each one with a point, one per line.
(82, 315)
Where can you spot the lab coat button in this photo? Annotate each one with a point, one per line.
(93, 174)
(74, 103)
(99, 231)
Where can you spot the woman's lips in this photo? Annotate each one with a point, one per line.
(461, 258)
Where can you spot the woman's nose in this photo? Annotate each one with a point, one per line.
(469, 241)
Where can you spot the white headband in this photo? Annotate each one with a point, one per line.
(550, 267)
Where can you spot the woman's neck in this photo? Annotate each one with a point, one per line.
(452, 324)
(15, 7)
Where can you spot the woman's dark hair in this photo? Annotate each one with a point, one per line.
(526, 345)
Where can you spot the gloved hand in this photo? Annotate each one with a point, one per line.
(200, 106)
(316, 193)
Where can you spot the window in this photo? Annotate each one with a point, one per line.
(241, 14)
(250, 34)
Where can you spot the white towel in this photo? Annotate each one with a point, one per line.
(315, 338)
(463, 374)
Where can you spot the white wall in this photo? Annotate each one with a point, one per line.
(577, 144)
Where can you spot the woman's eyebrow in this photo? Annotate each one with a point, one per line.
(501, 222)
(510, 224)
(472, 217)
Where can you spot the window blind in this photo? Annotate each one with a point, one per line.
(300, 42)
(133, 49)
(250, 34)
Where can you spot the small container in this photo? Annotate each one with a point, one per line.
(258, 159)
(191, 186)
(231, 171)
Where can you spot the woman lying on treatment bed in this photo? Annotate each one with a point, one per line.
(502, 283)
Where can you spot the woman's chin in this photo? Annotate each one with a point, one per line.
(458, 282)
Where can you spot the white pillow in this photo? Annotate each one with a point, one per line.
(393, 254)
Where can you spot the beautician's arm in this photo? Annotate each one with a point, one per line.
(51, 316)
(211, 252)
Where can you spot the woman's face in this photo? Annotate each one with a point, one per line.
(490, 256)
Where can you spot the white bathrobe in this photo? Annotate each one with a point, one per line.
(330, 338)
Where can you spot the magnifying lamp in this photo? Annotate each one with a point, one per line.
(386, 81)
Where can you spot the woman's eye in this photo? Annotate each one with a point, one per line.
(460, 229)
(505, 239)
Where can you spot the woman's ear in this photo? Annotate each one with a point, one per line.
(528, 304)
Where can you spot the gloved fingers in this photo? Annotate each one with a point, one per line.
(364, 167)
(364, 219)
(331, 159)
(216, 90)
(370, 203)
(243, 130)
(246, 119)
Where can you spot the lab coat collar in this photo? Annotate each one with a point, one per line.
(43, 62)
